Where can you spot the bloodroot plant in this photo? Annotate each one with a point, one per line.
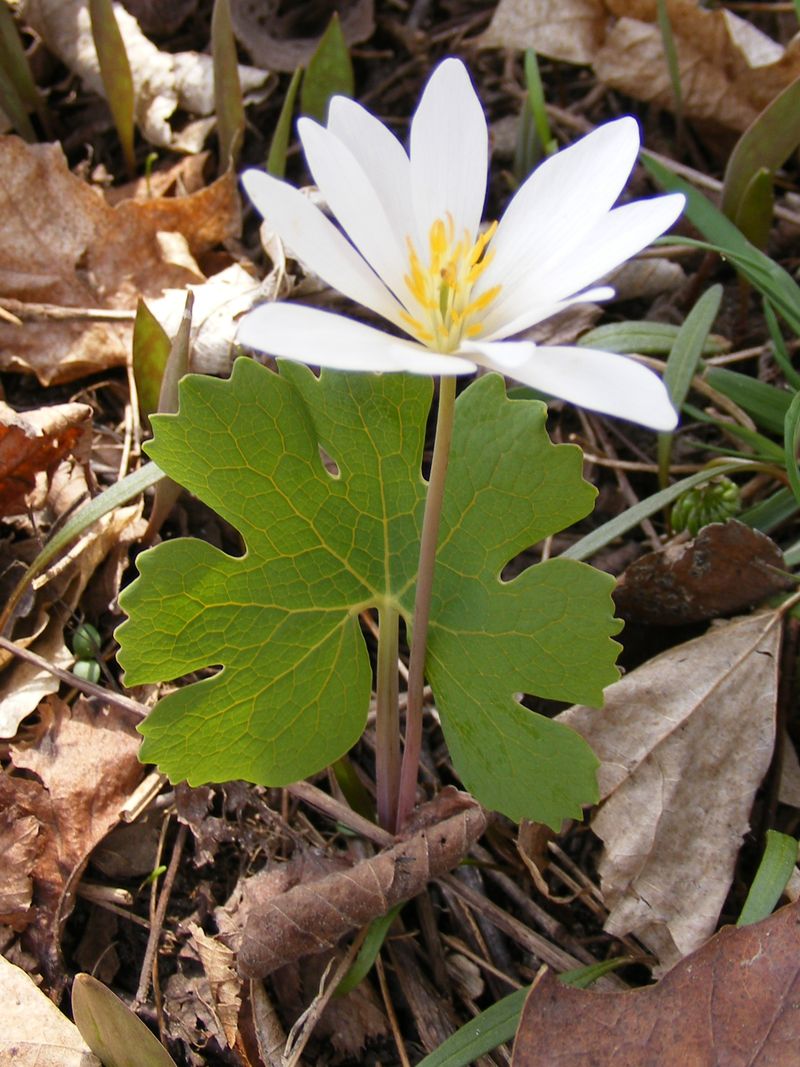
(281, 622)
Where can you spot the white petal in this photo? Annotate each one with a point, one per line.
(323, 339)
(355, 203)
(615, 238)
(449, 152)
(599, 381)
(537, 312)
(560, 203)
(318, 244)
(382, 158)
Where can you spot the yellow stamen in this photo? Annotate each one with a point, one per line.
(442, 287)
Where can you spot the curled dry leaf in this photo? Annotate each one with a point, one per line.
(734, 1001)
(684, 743)
(163, 82)
(271, 32)
(35, 1033)
(34, 444)
(728, 567)
(86, 767)
(729, 69)
(312, 917)
(223, 980)
(89, 255)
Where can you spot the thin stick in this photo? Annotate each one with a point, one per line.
(158, 918)
(391, 1014)
(89, 688)
(304, 1027)
(422, 603)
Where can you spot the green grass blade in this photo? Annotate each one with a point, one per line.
(15, 109)
(228, 102)
(115, 70)
(774, 871)
(765, 145)
(329, 73)
(149, 355)
(725, 238)
(766, 404)
(369, 950)
(533, 81)
(115, 496)
(276, 159)
(645, 338)
(499, 1022)
(791, 438)
(682, 364)
(671, 56)
(779, 349)
(15, 66)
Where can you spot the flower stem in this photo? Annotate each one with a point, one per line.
(387, 744)
(422, 604)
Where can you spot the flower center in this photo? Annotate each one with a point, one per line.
(443, 287)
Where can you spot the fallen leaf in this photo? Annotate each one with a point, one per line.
(223, 980)
(570, 30)
(18, 847)
(86, 767)
(34, 444)
(729, 69)
(276, 36)
(735, 1001)
(728, 567)
(163, 82)
(313, 916)
(218, 304)
(35, 1033)
(684, 743)
(89, 255)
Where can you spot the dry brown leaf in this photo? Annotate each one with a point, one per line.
(729, 69)
(728, 567)
(34, 444)
(164, 82)
(35, 1033)
(735, 1001)
(86, 766)
(571, 30)
(276, 36)
(313, 916)
(18, 847)
(684, 742)
(89, 255)
(218, 304)
(225, 984)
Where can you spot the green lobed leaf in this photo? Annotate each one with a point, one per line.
(281, 621)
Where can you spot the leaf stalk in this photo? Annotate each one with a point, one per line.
(422, 602)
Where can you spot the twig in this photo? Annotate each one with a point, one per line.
(158, 918)
(92, 690)
(391, 1013)
(304, 1027)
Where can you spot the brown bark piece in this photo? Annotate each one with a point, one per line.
(728, 567)
(312, 917)
(736, 1001)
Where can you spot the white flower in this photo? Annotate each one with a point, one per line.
(416, 256)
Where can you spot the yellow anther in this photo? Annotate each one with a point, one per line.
(442, 287)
